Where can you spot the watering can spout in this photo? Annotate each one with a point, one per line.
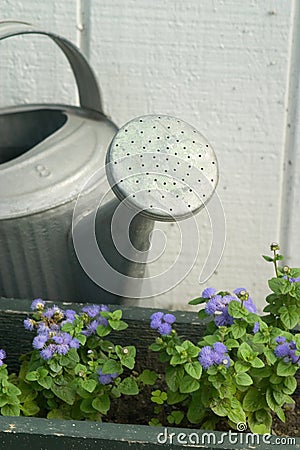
(159, 168)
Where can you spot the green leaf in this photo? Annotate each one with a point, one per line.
(263, 372)
(221, 407)
(211, 339)
(236, 310)
(291, 384)
(128, 386)
(81, 338)
(45, 382)
(279, 285)
(245, 352)
(148, 377)
(270, 356)
(86, 405)
(270, 399)
(102, 404)
(289, 316)
(243, 379)
(54, 366)
(111, 366)
(285, 369)
(103, 330)
(30, 409)
(32, 376)
(89, 385)
(10, 410)
(267, 258)
(257, 363)
(253, 400)
(117, 315)
(279, 397)
(238, 329)
(64, 393)
(197, 301)
(175, 397)
(237, 415)
(260, 422)
(241, 366)
(118, 325)
(188, 384)
(194, 369)
(174, 376)
(231, 343)
(175, 417)
(202, 314)
(280, 413)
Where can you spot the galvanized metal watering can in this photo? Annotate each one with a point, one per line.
(158, 167)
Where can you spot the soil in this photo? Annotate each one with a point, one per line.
(138, 410)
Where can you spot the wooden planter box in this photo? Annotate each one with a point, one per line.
(46, 434)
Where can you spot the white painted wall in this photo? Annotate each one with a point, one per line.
(230, 68)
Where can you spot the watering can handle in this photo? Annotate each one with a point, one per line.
(88, 89)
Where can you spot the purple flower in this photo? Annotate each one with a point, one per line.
(286, 350)
(37, 304)
(162, 322)
(39, 341)
(208, 292)
(206, 357)
(2, 354)
(74, 343)
(62, 349)
(164, 329)
(106, 378)
(69, 315)
(256, 327)
(92, 311)
(29, 324)
(282, 350)
(91, 328)
(169, 318)
(54, 311)
(48, 352)
(217, 355)
(224, 319)
(220, 348)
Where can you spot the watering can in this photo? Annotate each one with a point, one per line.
(52, 229)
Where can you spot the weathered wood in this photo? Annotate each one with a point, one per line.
(37, 434)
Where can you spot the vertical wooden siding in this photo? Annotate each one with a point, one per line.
(230, 68)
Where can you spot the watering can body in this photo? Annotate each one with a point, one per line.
(47, 154)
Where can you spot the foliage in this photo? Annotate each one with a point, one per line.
(241, 371)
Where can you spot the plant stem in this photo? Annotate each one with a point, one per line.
(275, 263)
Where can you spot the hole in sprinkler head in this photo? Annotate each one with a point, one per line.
(126, 131)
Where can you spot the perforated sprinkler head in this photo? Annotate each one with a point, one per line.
(162, 167)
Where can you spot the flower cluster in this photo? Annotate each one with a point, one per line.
(106, 378)
(48, 322)
(217, 354)
(286, 350)
(2, 356)
(162, 322)
(217, 304)
(94, 312)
